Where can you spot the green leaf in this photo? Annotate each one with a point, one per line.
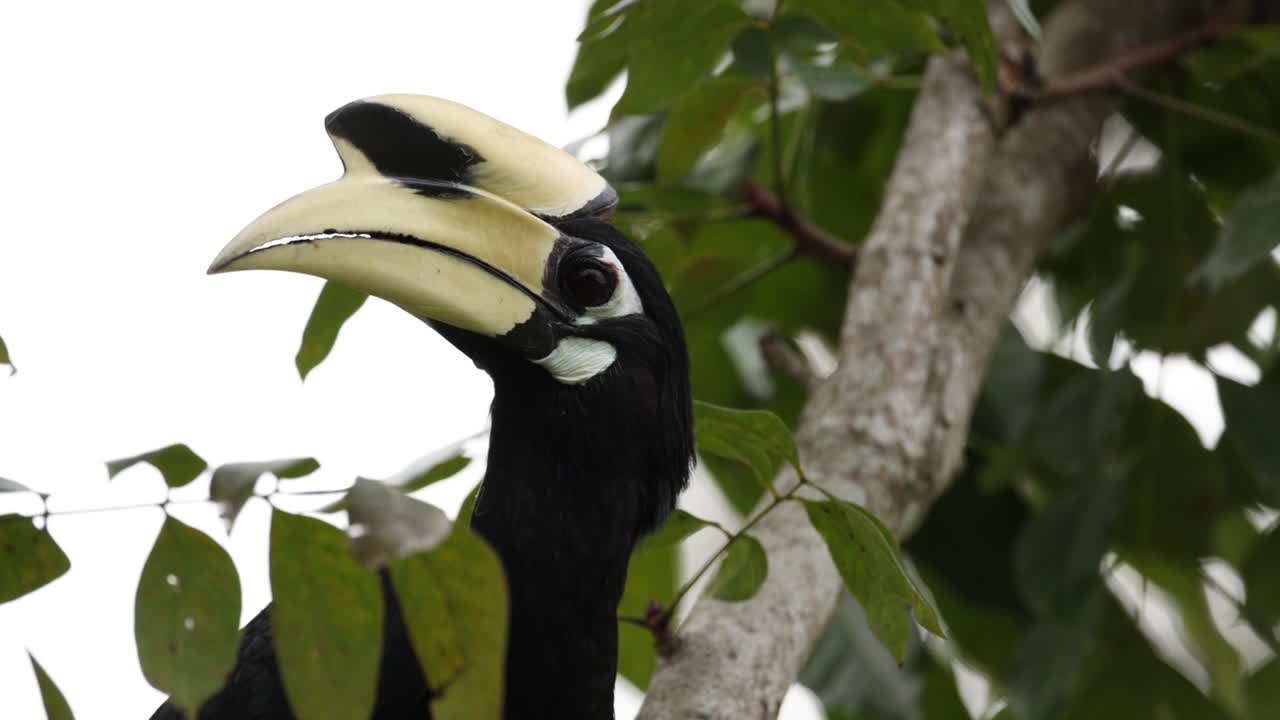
(1056, 559)
(1008, 404)
(672, 46)
(468, 506)
(4, 357)
(633, 147)
(679, 525)
(736, 482)
(717, 256)
(387, 525)
(29, 558)
(870, 562)
(968, 568)
(1123, 678)
(1250, 232)
(1252, 415)
(186, 615)
(55, 705)
(845, 197)
(985, 635)
(872, 26)
(756, 438)
(1184, 586)
(651, 576)
(1081, 418)
(697, 122)
(1135, 257)
(1261, 581)
(602, 55)
(232, 484)
(1263, 690)
(801, 36)
(454, 599)
(177, 463)
(836, 82)
(1234, 54)
(940, 699)
(968, 20)
(327, 617)
(1176, 488)
(414, 478)
(851, 671)
(742, 572)
(752, 54)
(7, 485)
(334, 307)
(432, 468)
(1234, 537)
(1053, 655)
(1220, 133)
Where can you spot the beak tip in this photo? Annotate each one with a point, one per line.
(221, 264)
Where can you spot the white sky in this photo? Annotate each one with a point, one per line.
(140, 137)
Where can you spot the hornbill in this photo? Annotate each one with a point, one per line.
(502, 244)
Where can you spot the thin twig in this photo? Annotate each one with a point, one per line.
(1114, 74)
(1177, 104)
(657, 620)
(688, 585)
(131, 506)
(1109, 74)
(1112, 170)
(809, 238)
(740, 283)
(786, 359)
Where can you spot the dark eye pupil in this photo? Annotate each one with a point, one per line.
(590, 284)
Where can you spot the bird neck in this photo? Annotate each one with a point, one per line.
(560, 505)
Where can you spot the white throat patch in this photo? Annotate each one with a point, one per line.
(576, 360)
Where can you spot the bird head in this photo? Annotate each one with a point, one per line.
(501, 242)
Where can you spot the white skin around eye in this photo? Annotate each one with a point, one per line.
(576, 360)
(625, 301)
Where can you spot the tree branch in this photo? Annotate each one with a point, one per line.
(787, 360)
(860, 428)
(809, 238)
(963, 217)
(1112, 73)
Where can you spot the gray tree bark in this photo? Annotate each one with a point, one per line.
(968, 206)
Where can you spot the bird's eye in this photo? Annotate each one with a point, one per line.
(589, 282)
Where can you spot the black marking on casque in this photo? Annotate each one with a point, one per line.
(404, 149)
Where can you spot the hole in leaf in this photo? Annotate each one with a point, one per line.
(172, 580)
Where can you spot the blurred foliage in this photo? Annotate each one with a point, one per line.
(177, 463)
(4, 357)
(1080, 491)
(1073, 470)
